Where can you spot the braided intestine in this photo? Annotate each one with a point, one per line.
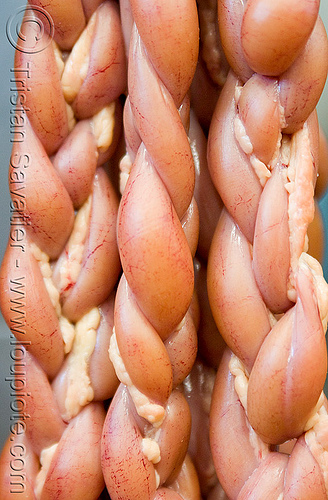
(62, 262)
(147, 428)
(267, 294)
(129, 252)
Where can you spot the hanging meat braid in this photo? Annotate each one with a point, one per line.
(62, 263)
(268, 295)
(146, 432)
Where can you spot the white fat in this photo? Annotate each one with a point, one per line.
(238, 370)
(321, 286)
(70, 117)
(68, 333)
(116, 359)
(103, 127)
(43, 260)
(238, 89)
(77, 63)
(317, 440)
(71, 260)
(125, 169)
(261, 170)
(242, 137)
(301, 198)
(46, 457)
(313, 419)
(66, 328)
(151, 450)
(152, 412)
(79, 389)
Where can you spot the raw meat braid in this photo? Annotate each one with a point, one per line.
(62, 262)
(146, 432)
(267, 294)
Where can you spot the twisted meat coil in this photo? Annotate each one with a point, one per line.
(62, 254)
(267, 294)
(155, 316)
